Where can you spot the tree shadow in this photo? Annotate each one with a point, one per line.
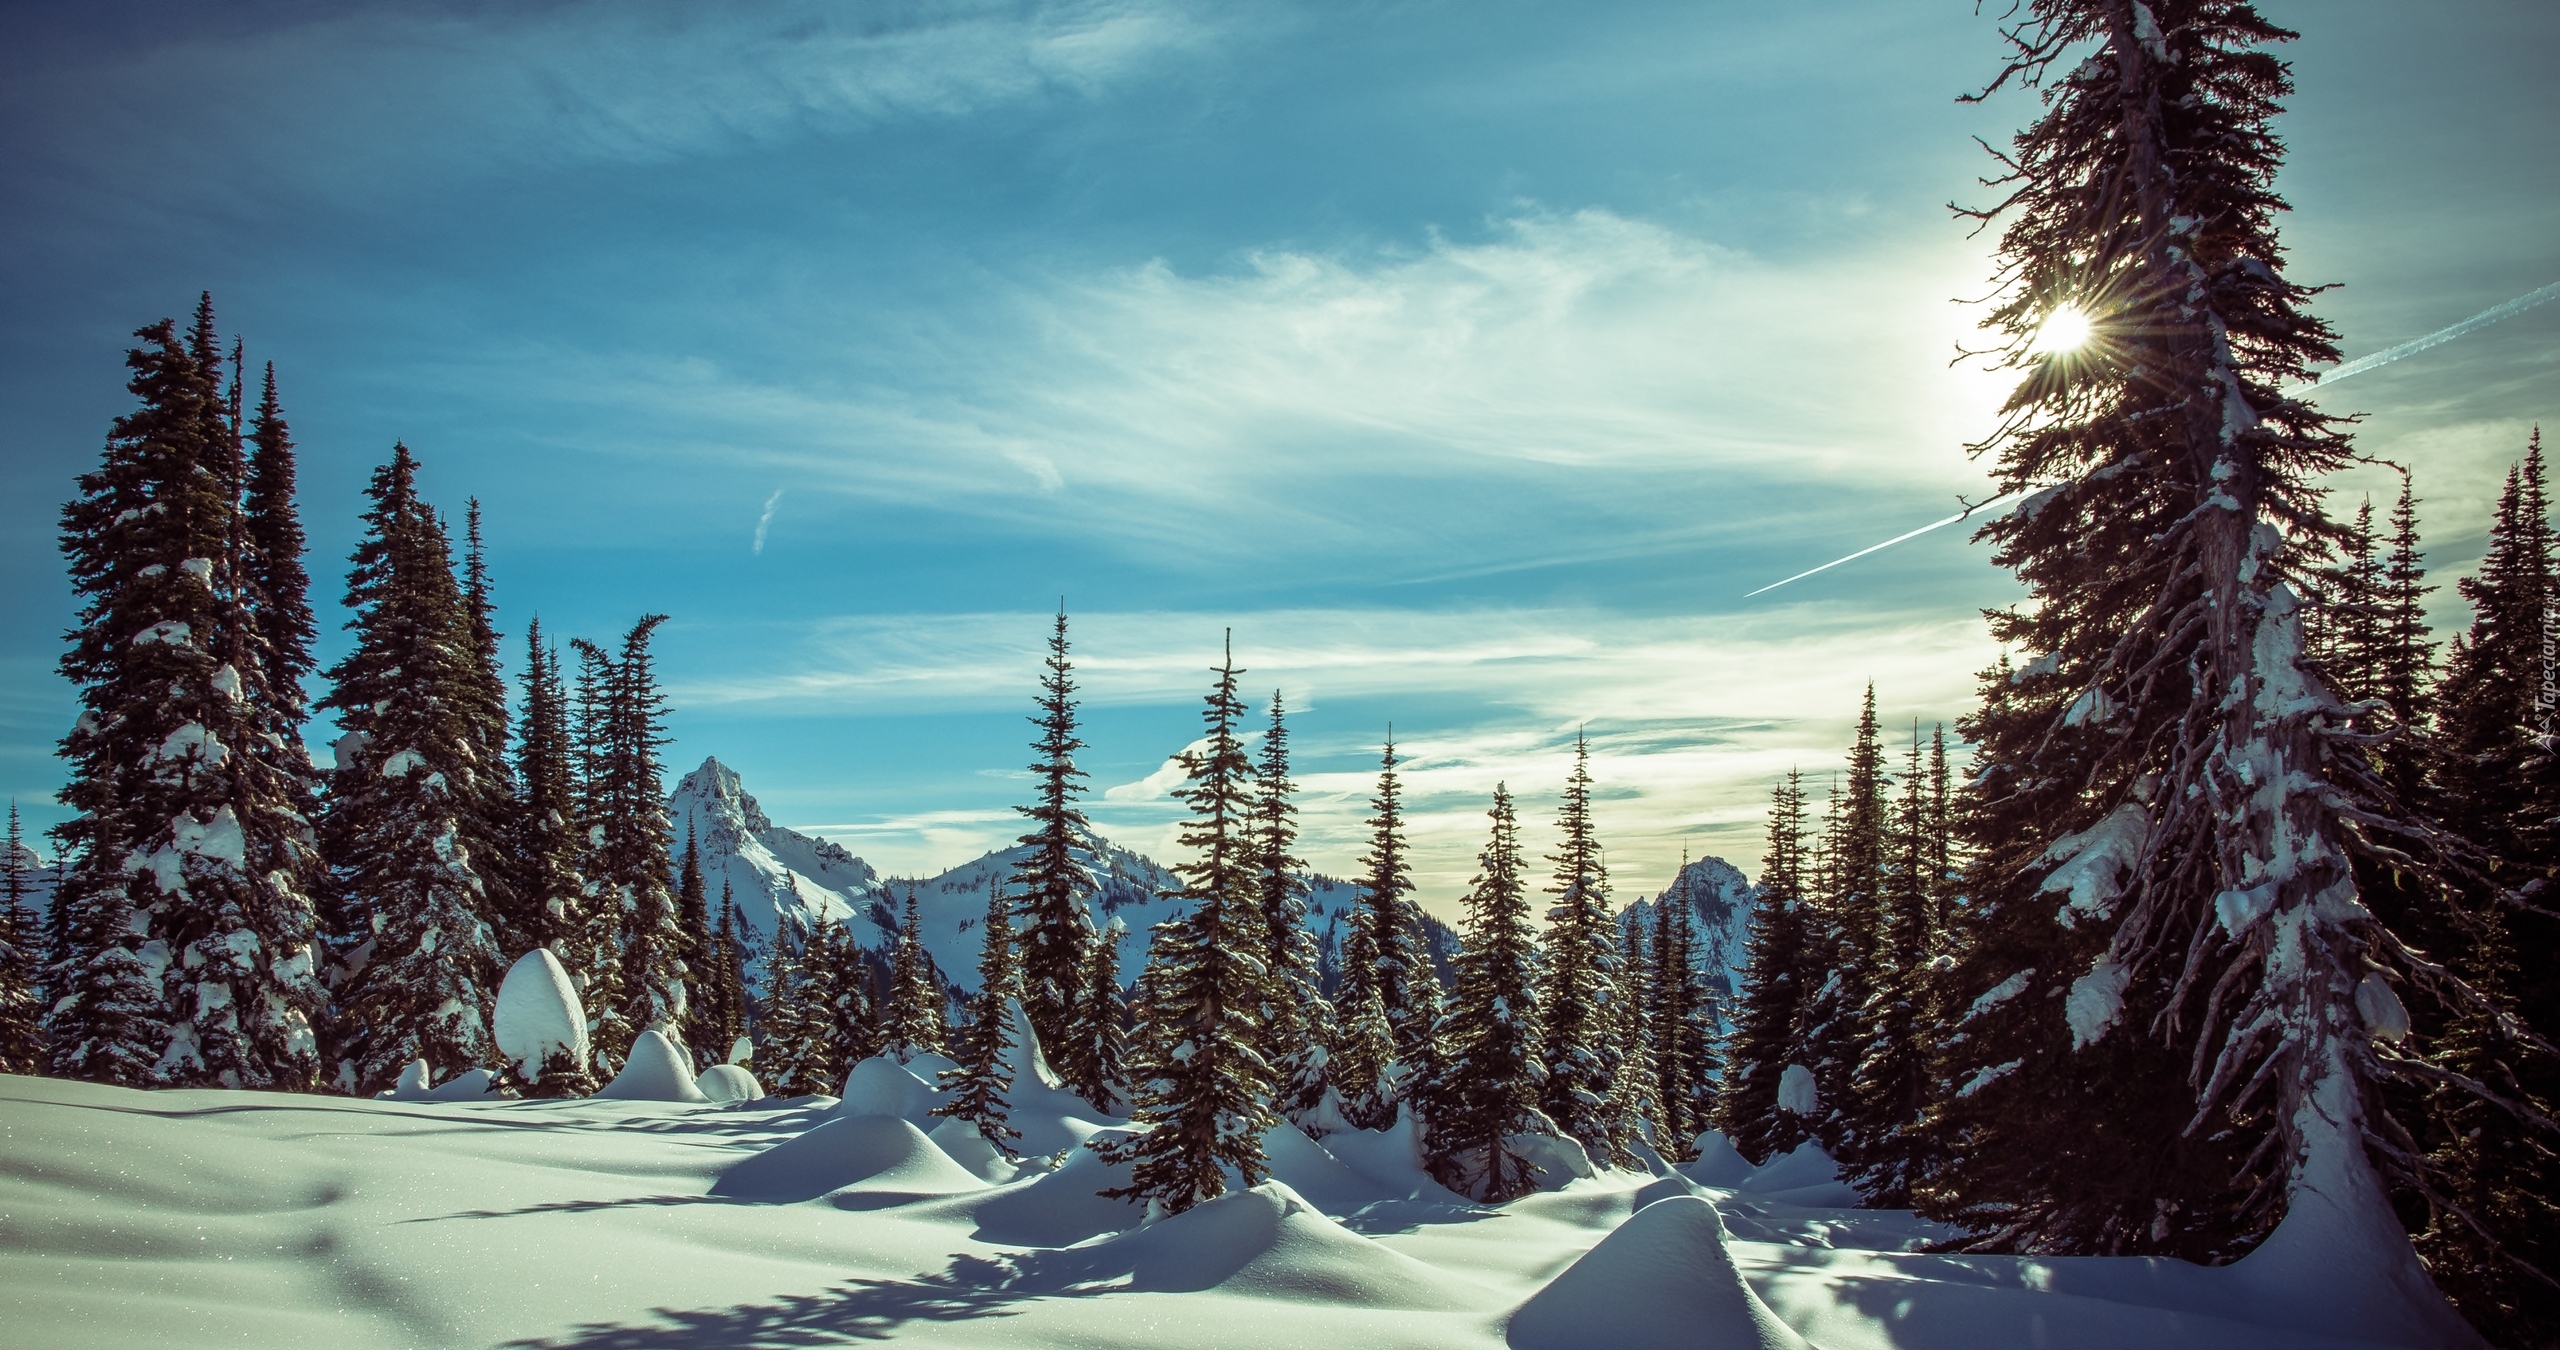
(973, 1287)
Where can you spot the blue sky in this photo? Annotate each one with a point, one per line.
(1470, 361)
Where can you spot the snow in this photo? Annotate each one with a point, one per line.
(167, 630)
(725, 1083)
(2095, 1002)
(1805, 1177)
(1795, 1090)
(1999, 993)
(401, 763)
(204, 1217)
(657, 1071)
(1663, 1280)
(881, 1086)
(2095, 862)
(1718, 1162)
(539, 1012)
(2380, 1006)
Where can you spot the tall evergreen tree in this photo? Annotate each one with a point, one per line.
(2167, 788)
(790, 1038)
(1384, 952)
(978, 1090)
(2405, 658)
(1777, 992)
(693, 921)
(198, 955)
(550, 892)
(1056, 873)
(1296, 1019)
(273, 559)
(911, 1024)
(419, 964)
(1488, 1096)
(1893, 1078)
(719, 1006)
(631, 851)
(1636, 1095)
(1580, 974)
(2491, 714)
(21, 960)
(592, 933)
(1670, 1017)
(1099, 1037)
(1201, 1098)
(1839, 1024)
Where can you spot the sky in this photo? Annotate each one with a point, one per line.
(1468, 363)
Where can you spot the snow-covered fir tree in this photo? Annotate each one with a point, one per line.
(1681, 1026)
(1778, 986)
(551, 893)
(1297, 1021)
(2194, 1008)
(1579, 976)
(911, 1022)
(1384, 952)
(1202, 1095)
(1638, 1098)
(418, 965)
(978, 1091)
(1892, 1083)
(1850, 934)
(721, 1009)
(629, 844)
(594, 932)
(21, 959)
(211, 979)
(495, 810)
(1486, 1096)
(693, 921)
(1055, 875)
(790, 1036)
(1099, 1034)
(837, 1002)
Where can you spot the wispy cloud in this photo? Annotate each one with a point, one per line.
(1690, 718)
(765, 522)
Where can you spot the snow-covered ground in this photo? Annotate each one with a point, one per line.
(237, 1218)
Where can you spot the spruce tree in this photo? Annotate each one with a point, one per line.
(1669, 1016)
(2491, 721)
(1488, 1096)
(273, 560)
(1295, 1016)
(1777, 992)
(1635, 1098)
(788, 1060)
(1893, 1079)
(693, 921)
(593, 929)
(1362, 1066)
(21, 961)
(1056, 873)
(495, 810)
(1099, 1036)
(1580, 974)
(1201, 1099)
(200, 936)
(2405, 658)
(550, 891)
(2167, 788)
(911, 1024)
(1688, 1066)
(631, 852)
(1838, 1022)
(1385, 953)
(419, 965)
(724, 993)
(977, 1091)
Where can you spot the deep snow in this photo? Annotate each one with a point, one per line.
(210, 1217)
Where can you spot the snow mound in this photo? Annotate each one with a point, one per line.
(1558, 1161)
(881, 1086)
(539, 1012)
(726, 1083)
(1664, 1188)
(963, 1144)
(875, 1153)
(1718, 1162)
(1392, 1159)
(1048, 1116)
(412, 1086)
(1313, 1174)
(1661, 1281)
(1268, 1242)
(741, 1050)
(471, 1085)
(1061, 1208)
(1806, 1177)
(655, 1072)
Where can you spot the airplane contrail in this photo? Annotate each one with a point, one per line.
(2356, 367)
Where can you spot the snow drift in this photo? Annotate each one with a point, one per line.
(657, 1071)
(1663, 1280)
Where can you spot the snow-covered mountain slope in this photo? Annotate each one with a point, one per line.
(1722, 900)
(786, 880)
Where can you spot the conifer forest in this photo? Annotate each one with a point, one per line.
(374, 969)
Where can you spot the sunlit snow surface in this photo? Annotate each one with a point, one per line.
(234, 1218)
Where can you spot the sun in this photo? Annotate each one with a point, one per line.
(2066, 329)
